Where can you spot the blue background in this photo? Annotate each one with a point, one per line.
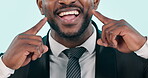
(16, 16)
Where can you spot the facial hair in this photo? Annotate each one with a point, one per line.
(86, 21)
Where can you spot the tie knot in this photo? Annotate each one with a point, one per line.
(74, 52)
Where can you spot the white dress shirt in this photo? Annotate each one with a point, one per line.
(143, 51)
(5, 72)
(59, 59)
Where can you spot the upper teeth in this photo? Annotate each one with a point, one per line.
(68, 13)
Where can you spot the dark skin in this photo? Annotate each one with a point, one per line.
(28, 46)
(119, 34)
(25, 47)
(63, 25)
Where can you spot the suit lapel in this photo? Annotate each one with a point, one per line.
(40, 67)
(35, 69)
(105, 60)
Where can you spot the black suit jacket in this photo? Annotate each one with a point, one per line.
(110, 63)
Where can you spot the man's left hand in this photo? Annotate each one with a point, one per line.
(119, 34)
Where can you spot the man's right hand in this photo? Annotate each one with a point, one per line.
(25, 47)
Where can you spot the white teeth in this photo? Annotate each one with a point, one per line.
(68, 13)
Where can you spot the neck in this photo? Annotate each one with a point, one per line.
(73, 42)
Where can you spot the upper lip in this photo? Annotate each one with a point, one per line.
(67, 9)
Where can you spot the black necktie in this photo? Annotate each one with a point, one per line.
(73, 66)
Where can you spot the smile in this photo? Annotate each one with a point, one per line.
(68, 15)
(76, 13)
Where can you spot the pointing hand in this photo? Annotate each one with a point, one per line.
(25, 47)
(119, 34)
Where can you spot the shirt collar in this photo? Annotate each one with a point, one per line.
(57, 48)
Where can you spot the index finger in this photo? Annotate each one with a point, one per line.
(34, 30)
(102, 18)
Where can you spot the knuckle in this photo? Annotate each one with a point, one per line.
(107, 31)
(37, 48)
(122, 20)
(20, 41)
(33, 47)
(124, 26)
(39, 43)
(26, 47)
(103, 27)
(19, 36)
(39, 37)
(111, 32)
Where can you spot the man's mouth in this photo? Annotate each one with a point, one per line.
(69, 15)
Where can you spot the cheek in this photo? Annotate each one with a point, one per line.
(48, 9)
(89, 6)
(87, 3)
(49, 5)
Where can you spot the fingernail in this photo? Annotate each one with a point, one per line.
(34, 59)
(45, 48)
